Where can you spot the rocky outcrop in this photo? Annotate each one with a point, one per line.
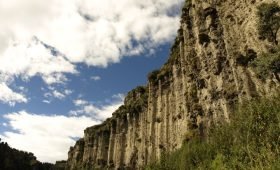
(206, 74)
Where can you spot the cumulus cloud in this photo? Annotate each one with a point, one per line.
(10, 97)
(26, 61)
(101, 113)
(31, 59)
(48, 38)
(97, 112)
(91, 31)
(48, 137)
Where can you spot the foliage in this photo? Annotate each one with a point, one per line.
(250, 141)
(266, 64)
(269, 21)
(12, 159)
(248, 58)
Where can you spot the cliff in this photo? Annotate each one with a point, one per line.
(208, 72)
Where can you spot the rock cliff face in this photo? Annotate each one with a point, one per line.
(199, 85)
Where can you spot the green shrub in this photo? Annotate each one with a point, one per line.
(218, 162)
(269, 21)
(250, 141)
(266, 64)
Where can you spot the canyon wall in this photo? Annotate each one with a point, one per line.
(204, 77)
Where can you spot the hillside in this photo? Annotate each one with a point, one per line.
(225, 53)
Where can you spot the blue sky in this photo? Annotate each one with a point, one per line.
(66, 65)
(95, 84)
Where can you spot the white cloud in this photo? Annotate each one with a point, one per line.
(48, 38)
(91, 31)
(118, 96)
(47, 95)
(101, 113)
(68, 92)
(47, 101)
(22, 89)
(97, 112)
(58, 78)
(56, 94)
(31, 59)
(48, 137)
(10, 97)
(80, 102)
(26, 61)
(95, 78)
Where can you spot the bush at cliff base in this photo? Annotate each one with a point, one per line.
(250, 141)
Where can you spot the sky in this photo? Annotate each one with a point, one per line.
(68, 64)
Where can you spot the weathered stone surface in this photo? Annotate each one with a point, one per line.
(199, 85)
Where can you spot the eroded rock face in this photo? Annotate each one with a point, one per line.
(199, 85)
